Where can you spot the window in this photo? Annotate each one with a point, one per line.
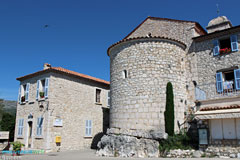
(125, 75)
(108, 98)
(98, 96)
(23, 95)
(88, 128)
(228, 81)
(39, 126)
(226, 45)
(42, 88)
(20, 127)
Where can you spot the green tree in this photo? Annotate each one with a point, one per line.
(169, 112)
(1, 109)
(8, 124)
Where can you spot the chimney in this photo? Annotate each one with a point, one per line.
(218, 24)
(46, 66)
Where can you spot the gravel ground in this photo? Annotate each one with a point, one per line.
(76, 155)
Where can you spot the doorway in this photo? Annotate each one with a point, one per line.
(30, 134)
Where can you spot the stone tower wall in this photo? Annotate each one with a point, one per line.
(138, 101)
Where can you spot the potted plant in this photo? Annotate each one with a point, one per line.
(41, 94)
(23, 98)
(17, 147)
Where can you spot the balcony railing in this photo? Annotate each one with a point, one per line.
(209, 91)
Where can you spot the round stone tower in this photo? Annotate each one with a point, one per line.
(142, 64)
(140, 71)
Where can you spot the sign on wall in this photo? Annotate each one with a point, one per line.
(203, 138)
(4, 135)
(58, 122)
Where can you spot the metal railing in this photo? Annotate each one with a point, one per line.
(209, 91)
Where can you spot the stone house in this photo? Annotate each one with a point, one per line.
(203, 67)
(218, 82)
(59, 109)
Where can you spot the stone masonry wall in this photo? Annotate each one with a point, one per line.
(72, 100)
(138, 102)
(208, 65)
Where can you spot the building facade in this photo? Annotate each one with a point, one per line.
(60, 109)
(203, 67)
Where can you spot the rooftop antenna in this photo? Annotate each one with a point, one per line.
(218, 11)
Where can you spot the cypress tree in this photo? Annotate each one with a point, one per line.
(169, 112)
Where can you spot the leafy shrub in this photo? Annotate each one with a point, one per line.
(17, 146)
(177, 141)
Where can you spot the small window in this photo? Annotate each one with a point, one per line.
(125, 75)
(88, 128)
(108, 98)
(98, 96)
(23, 93)
(225, 45)
(42, 88)
(20, 127)
(228, 81)
(39, 126)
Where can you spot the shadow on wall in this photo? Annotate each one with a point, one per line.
(96, 139)
(105, 125)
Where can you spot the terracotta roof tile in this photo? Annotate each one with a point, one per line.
(136, 38)
(63, 71)
(234, 106)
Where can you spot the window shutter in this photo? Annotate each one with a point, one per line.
(234, 42)
(39, 126)
(86, 128)
(46, 87)
(237, 78)
(19, 95)
(27, 92)
(219, 82)
(20, 127)
(215, 48)
(89, 127)
(108, 98)
(38, 83)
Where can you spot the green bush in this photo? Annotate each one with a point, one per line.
(8, 124)
(17, 146)
(177, 141)
(169, 112)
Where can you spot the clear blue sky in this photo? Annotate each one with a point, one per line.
(80, 32)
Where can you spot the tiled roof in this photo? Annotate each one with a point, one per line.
(136, 38)
(234, 106)
(217, 34)
(198, 28)
(63, 71)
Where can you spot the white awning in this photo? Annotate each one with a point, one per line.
(218, 114)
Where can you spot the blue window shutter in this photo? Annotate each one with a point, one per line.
(86, 128)
(39, 126)
(234, 42)
(216, 48)
(108, 99)
(219, 82)
(19, 94)
(38, 83)
(46, 87)
(27, 92)
(90, 127)
(20, 127)
(237, 78)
